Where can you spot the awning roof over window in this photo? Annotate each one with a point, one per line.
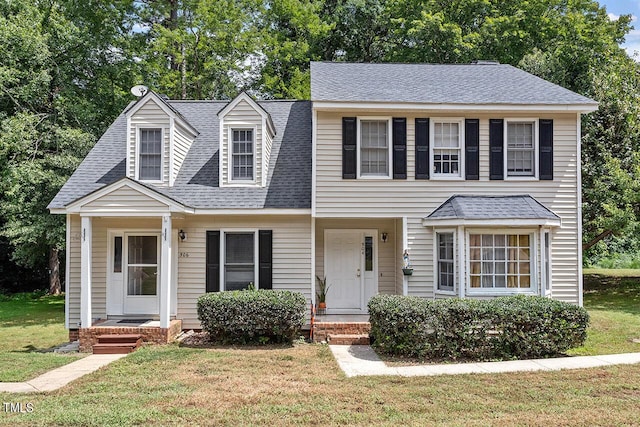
(522, 210)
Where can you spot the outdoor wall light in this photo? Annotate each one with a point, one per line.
(384, 236)
(182, 235)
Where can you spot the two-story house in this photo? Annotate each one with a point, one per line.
(468, 173)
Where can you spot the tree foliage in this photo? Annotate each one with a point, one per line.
(66, 68)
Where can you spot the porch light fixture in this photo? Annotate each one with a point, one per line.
(182, 235)
(384, 236)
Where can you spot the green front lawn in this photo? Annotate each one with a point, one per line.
(29, 328)
(612, 299)
(171, 385)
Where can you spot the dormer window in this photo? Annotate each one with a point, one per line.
(242, 155)
(150, 164)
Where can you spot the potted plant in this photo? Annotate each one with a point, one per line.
(321, 293)
(407, 269)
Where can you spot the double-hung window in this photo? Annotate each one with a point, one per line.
(446, 261)
(446, 153)
(375, 147)
(521, 148)
(150, 157)
(242, 157)
(239, 260)
(501, 262)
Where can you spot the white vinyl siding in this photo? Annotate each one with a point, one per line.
(415, 199)
(124, 200)
(291, 255)
(182, 140)
(73, 287)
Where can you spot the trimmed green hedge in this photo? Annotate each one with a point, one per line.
(514, 327)
(252, 317)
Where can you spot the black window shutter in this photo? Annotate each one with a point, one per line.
(422, 148)
(213, 261)
(546, 149)
(349, 147)
(399, 148)
(472, 149)
(496, 149)
(265, 258)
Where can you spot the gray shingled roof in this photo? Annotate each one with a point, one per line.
(196, 186)
(492, 207)
(435, 84)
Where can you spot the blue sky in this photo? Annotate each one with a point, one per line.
(616, 8)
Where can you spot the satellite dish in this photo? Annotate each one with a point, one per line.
(139, 90)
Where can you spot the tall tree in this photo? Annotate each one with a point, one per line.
(61, 77)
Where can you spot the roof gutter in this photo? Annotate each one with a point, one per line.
(414, 106)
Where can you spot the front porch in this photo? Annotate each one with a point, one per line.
(150, 330)
(341, 328)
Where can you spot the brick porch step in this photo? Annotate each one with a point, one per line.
(119, 338)
(348, 339)
(117, 344)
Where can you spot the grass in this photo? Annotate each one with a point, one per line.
(168, 385)
(30, 327)
(302, 384)
(613, 302)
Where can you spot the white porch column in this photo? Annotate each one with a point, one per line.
(462, 262)
(85, 273)
(405, 246)
(165, 273)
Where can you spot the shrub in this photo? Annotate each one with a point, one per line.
(501, 328)
(252, 317)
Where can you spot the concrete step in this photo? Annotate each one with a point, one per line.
(116, 338)
(348, 339)
(115, 348)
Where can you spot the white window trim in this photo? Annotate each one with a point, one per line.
(389, 148)
(436, 278)
(536, 147)
(241, 126)
(228, 148)
(256, 263)
(546, 284)
(461, 159)
(533, 290)
(139, 129)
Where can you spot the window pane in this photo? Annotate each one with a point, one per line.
(117, 254)
(238, 277)
(150, 167)
(239, 260)
(239, 247)
(374, 147)
(501, 260)
(142, 250)
(368, 253)
(446, 153)
(242, 154)
(446, 275)
(520, 149)
(142, 280)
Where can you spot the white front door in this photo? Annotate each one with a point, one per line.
(350, 269)
(141, 259)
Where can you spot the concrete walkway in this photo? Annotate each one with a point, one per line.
(357, 360)
(61, 376)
